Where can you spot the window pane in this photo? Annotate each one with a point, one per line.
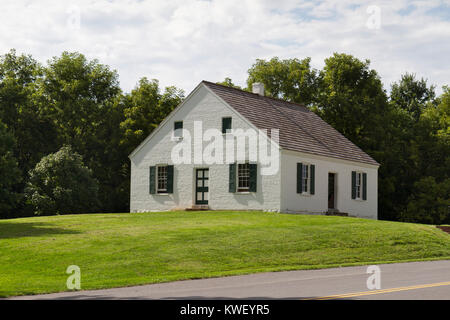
(178, 128)
(243, 176)
(162, 178)
(226, 124)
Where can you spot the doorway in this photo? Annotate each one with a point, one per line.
(331, 190)
(201, 186)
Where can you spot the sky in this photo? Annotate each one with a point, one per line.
(182, 42)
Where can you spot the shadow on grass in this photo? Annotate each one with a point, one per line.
(11, 230)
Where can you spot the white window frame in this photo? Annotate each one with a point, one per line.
(158, 168)
(243, 189)
(306, 181)
(358, 185)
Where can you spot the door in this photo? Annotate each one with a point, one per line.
(201, 186)
(331, 191)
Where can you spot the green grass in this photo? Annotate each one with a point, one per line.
(116, 250)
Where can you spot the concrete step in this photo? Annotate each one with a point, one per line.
(198, 207)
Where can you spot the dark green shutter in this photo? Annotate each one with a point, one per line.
(232, 182)
(152, 188)
(299, 178)
(226, 124)
(170, 179)
(253, 177)
(353, 184)
(364, 186)
(312, 182)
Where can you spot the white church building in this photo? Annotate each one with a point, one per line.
(227, 149)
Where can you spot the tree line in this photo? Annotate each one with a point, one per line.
(66, 130)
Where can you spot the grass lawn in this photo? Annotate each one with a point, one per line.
(115, 250)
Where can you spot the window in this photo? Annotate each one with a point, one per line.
(178, 129)
(226, 125)
(305, 177)
(161, 179)
(243, 177)
(358, 185)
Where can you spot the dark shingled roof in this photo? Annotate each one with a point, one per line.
(300, 129)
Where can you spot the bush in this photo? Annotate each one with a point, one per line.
(60, 183)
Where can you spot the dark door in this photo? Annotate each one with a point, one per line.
(201, 186)
(331, 190)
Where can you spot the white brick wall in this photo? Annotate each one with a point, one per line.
(201, 105)
(291, 201)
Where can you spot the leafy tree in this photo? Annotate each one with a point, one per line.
(60, 184)
(144, 109)
(9, 173)
(79, 96)
(431, 204)
(34, 134)
(229, 83)
(353, 101)
(412, 95)
(290, 79)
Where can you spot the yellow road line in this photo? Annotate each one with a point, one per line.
(366, 293)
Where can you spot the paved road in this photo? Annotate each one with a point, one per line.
(415, 280)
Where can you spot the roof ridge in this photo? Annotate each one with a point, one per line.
(256, 95)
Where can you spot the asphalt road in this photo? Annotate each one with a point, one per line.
(414, 280)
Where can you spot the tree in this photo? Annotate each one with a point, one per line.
(60, 184)
(34, 134)
(412, 95)
(144, 109)
(290, 79)
(430, 204)
(229, 83)
(79, 96)
(10, 174)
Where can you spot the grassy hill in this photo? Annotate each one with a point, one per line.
(128, 249)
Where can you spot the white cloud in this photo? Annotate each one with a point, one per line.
(182, 42)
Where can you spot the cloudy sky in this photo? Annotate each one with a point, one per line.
(183, 42)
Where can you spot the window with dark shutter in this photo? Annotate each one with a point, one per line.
(299, 177)
(170, 179)
(353, 184)
(364, 186)
(152, 178)
(232, 178)
(226, 125)
(253, 177)
(312, 169)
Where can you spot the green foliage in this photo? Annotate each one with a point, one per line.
(9, 173)
(353, 101)
(60, 183)
(290, 79)
(144, 109)
(34, 133)
(430, 202)
(412, 95)
(229, 83)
